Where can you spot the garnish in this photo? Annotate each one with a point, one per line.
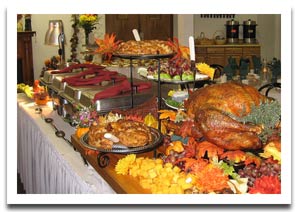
(211, 179)
(266, 114)
(266, 185)
(174, 103)
(228, 169)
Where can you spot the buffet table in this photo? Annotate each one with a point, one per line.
(47, 163)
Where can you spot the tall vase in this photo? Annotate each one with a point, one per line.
(86, 37)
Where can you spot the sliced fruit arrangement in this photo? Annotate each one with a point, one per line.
(172, 70)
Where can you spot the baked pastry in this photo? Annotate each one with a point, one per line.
(129, 133)
(146, 47)
(96, 137)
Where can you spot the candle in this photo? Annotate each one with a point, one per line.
(111, 137)
(98, 105)
(191, 48)
(136, 34)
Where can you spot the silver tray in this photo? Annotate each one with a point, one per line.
(121, 149)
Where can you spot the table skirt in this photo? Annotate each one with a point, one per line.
(48, 164)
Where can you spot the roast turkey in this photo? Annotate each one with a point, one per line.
(214, 109)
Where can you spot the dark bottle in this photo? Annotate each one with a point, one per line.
(28, 22)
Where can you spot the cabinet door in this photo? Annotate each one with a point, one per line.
(122, 25)
(215, 59)
(251, 50)
(201, 59)
(149, 26)
(156, 26)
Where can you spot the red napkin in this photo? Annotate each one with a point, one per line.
(113, 91)
(89, 81)
(76, 66)
(142, 86)
(97, 72)
(123, 87)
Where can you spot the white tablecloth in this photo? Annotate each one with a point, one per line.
(48, 164)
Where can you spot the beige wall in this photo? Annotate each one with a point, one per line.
(42, 52)
(268, 33)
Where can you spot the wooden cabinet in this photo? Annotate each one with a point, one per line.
(24, 58)
(219, 54)
(149, 26)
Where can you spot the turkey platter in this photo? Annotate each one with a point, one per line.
(216, 109)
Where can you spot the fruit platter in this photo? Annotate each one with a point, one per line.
(172, 72)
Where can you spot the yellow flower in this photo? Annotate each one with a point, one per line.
(88, 22)
(88, 18)
(206, 69)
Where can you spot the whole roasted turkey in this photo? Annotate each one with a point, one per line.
(214, 109)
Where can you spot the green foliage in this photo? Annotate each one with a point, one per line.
(267, 114)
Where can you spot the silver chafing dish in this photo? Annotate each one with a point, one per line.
(66, 98)
(121, 101)
(84, 97)
(53, 80)
(55, 87)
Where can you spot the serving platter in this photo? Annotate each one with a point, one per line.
(172, 106)
(121, 149)
(198, 77)
(143, 56)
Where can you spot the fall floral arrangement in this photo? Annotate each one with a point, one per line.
(50, 64)
(82, 119)
(88, 22)
(84, 116)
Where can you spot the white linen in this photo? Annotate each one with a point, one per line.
(48, 164)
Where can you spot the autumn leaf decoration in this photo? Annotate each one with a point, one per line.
(165, 114)
(107, 46)
(172, 115)
(181, 51)
(266, 185)
(239, 156)
(208, 148)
